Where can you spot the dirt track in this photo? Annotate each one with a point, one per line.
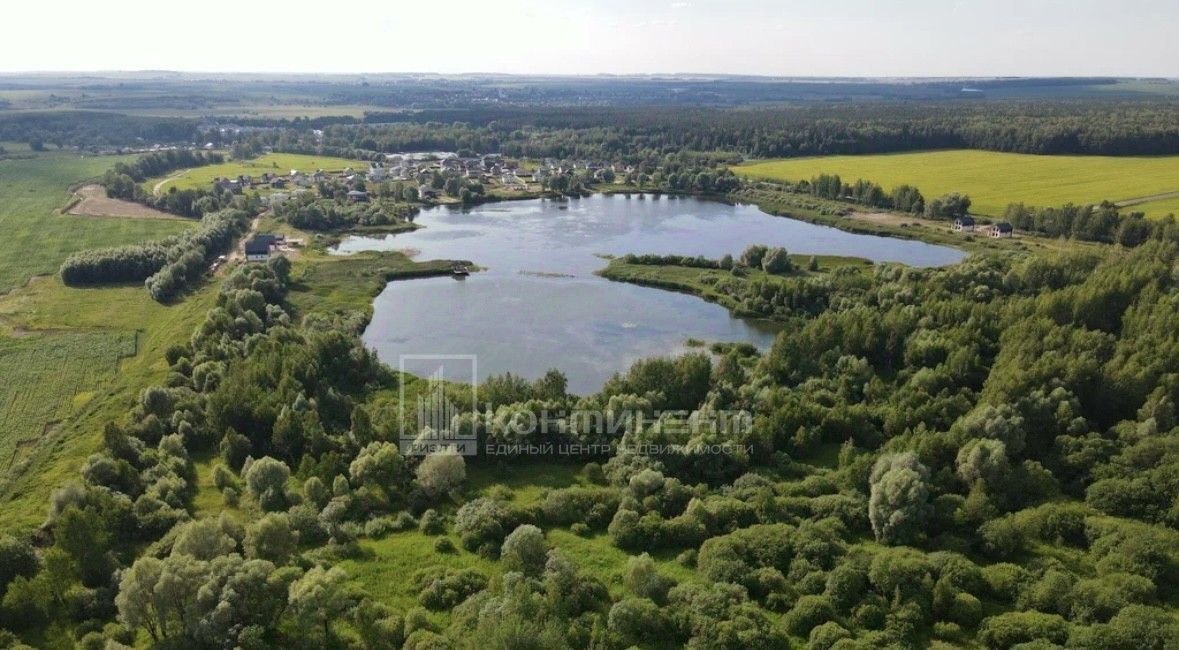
(93, 202)
(1125, 203)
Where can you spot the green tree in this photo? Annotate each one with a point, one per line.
(524, 550)
(898, 505)
(318, 599)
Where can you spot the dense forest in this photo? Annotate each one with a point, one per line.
(999, 438)
(1058, 127)
(1040, 126)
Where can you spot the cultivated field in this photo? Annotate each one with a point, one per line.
(995, 179)
(93, 202)
(45, 377)
(37, 237)
(61, 377)
(280, 163)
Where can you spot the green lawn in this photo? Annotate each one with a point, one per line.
(280, 163)
(995, 179)
(36, 237)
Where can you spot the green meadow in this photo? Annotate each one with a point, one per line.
(274, 163)
(45, 376)
(993, 179)
(37, 236)
(70, 358)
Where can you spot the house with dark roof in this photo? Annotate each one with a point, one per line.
(963, 224)
(1002, 230)
(258, 249)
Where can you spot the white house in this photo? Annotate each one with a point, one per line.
(963, 224)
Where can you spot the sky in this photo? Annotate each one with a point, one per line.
(894, 38)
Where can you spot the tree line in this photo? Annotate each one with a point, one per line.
(1055, 126)
(166, 267)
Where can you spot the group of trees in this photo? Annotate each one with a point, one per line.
(1100, 223)
(307, 212)
(124, 181)
(961, 419)
(166, 266)
(93, 129)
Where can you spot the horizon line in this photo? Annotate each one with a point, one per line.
(583, 75)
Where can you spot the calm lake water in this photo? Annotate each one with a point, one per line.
(539, 305)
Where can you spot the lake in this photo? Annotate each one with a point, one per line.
(538, 305)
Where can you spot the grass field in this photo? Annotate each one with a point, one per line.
(70, 359)
(995, 179)
(66, 357)
(281, 163)
(46, 376)
(322, 282)
(36, 237)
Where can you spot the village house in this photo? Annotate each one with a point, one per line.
(257, 250)
(356, 196)
(963, 224)
(276, 199)
(1002, 230)
(377, 172)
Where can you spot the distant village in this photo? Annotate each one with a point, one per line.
(416, 169)
(422, 170)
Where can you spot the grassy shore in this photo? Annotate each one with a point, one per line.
(888, 224)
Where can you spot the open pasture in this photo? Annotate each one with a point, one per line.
(274, 163)
(45, 376)
(37, 237)
(994, 179)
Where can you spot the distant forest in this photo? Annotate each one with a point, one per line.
(1045, 127)
(604, 117)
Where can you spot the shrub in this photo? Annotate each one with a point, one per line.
(808, 613)
(440, 588)
(590, 505)
(524, 551)
(432, 523)
(271, 538)
(642, 579)
(594, 473)
(223, 478)
(636, 621)
(776, 261)
(1011, 628)
(481, 521)
(822, 637)
(898, 506)
(266, 480)
(441, 473)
